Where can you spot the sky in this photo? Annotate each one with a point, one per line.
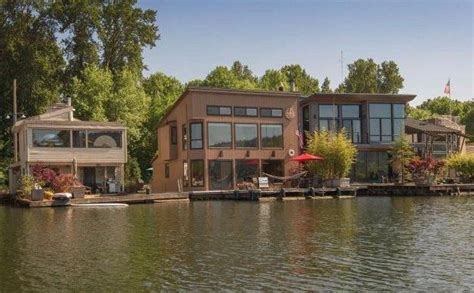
(431, 41)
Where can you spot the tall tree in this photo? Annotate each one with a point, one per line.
(362, 77)
(123, 32)
(297, 75)
(326, 86)
(223, 77)
(272, 80)
(389, 79)
(242, 72)
(78, 22)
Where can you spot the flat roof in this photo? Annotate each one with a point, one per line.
(250, 92)
(67, 123)
(360, 97)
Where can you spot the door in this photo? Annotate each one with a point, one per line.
(89, 176)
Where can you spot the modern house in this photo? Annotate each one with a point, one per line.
(437, 137)
(372, 121)
(95, 152)
(217, 139)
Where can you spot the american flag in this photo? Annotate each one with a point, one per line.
(447, 87)
(300, 136)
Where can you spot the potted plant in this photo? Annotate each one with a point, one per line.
(339, 154)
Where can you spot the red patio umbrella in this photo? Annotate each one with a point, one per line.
(306, 157)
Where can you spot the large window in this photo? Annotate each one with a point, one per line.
(196, 135)
(219, 135)
(246, 170)
(174, 135)
(245, 135)
(386, 122)
(273, 167)
(351, 122)
(328, 117)
(245, 111)
(371, 167)
(219, 110)
(220, 175)
(104, 139)
(51, 138)
(79, 139)
(271, 135)
(271, 112)
(167, 170)
(197, 173)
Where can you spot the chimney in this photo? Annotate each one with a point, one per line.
(292, 86)
(71, 113)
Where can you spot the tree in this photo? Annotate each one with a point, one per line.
(326, 87)
(401, 154)
(223, 77)
(445, 106)
(92, 93)
(124, 31)
(78, 21)
(366, 76)
(389, 80)
(418, 113)
(242, 72)
(303, 82)
(272, 80)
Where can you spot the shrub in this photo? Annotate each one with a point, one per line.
(44, 176)
(64, 183)
(401, 155)
(27, 184)
(427, 170)
(463, 164)
(338, 154)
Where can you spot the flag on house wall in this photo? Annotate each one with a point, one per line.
(447, 87)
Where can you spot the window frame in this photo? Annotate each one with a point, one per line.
(184, 137)
(219, 107)
(271, 111)
(174, 135)
(282, 137)
(52, 130)
(246, 114)
(167, 170)
(235, 137)
(232, 170)
(231, 135)
(191, 136)
(191, 163)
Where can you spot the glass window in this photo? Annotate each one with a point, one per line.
(399, 110)
(350, 111)
(245, 135)
(271, 135)
(220, 175)
(197, 173)
(104, 139)
(398, 128)
(244, 111)
(380, 110)
(219, 110)
(386, 126)
(246, 170)
(219, 135)
(328, 124)
(167, 170)
(271, 112)
(273, 167)
(174, 135)
(328, 111)
(51, 138)
(196, 135)
(184, 131)
(79, 139)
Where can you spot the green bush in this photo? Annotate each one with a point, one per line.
(463, 164)
(337, 150)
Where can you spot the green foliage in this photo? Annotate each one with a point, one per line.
(418, 113)
(304, 83)
(27, 185)
(326, 86)
(463, 164)
(337, 150)
(366, 76)
(223, 77)
(132, 174)
(272, 80)
(401, 154)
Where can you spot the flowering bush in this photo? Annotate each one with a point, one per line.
(463, 164)
(43, 176)
(64, 183)
(426, 171)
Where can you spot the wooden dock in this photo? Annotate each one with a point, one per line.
(410, 189)
(136, 198)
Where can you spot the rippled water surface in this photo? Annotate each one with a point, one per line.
(409, 243)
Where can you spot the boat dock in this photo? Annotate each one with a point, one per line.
(390, 189)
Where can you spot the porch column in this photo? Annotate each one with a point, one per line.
(122, 177)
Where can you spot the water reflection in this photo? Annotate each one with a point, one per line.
(361, 244)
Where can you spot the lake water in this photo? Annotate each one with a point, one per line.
(378, 243)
